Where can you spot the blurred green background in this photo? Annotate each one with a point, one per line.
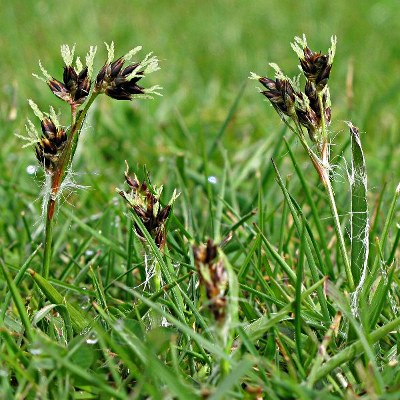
(207, 50)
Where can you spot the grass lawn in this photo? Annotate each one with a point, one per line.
(250, 251)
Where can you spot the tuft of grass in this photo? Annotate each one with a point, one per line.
(247, 286)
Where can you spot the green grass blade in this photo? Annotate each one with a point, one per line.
(79, 321)
(310, 257)
(314, 210)
(19, 302)
(147, 357)
(228, 118)
(297, 307)
(232, 380)
(118, 249)
(359, 222)
(17, 280)
(357, 348)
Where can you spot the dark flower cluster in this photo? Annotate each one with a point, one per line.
(118, 82)
(146, 205)
(280, 93)
(213, 277)
(316, 67)
(117, 79)
(310, 108)
(75, 86)
(51, 144)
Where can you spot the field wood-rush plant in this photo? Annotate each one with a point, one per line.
(230, 292)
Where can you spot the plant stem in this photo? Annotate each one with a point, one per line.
(322, 166)
(48, 241)
(323, 172)
(339, 234)
(331, 196)
(58, 177)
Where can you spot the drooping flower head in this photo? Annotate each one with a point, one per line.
(315, 66)
(213, 277)
(120, 81)
(76, 83)
(145, 203)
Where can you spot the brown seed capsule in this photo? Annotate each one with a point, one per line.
(75, 88)
(51, 144)
(115, 81)
(316, 67)
(280, 93)
(213, 277)
(146, 205)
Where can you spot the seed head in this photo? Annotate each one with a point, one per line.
(51, 144)
(76, 83)
(280, 93)
(316, 66)
(306, 116)
(121, 82)
(213, 277)
(146, 205)
(75, 86)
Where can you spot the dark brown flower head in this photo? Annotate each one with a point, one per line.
(306, 116)
(213, 277)
(117, 82)
(312, 95)
(280, 93)
(121, 82)
(316, 66)
(76, 83)
(146, 205)
(75, 87)
(48, 149)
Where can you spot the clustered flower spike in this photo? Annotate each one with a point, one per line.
(76, 83)
(280, 93)
(213, 277)
(50, 144)
(308, 109)
(316, 66)
(121, 82)
(146, 205)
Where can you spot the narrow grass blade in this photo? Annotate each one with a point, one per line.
(322, 354)
(95, 233)
(379, 299)
(356, 348)
(299, 281)
(269, 169)
(310, 257)
(314, 210)
(166, 269)
(258, 328)
(232, 380)
(388, 222)
(228, 118)
(87, 376)
(13, 349)
(142, 308)
(277, 257)
(220, 205)
(147, 357)
(206, 344)
(359, 222)
(362, 332)
(19, 302)
(79, 321)
(17, 280)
